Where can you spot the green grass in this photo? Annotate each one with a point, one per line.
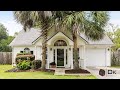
(115, 66)
(35, 75)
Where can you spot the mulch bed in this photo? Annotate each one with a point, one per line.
(74, 71)
(30, 70)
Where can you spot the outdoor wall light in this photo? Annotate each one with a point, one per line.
(108, 49)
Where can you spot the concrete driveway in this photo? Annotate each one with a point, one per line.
(110, 73)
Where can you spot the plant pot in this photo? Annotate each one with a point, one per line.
(52, 66)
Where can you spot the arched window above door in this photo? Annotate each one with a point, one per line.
(60, 43)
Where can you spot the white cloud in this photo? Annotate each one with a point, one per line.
(12, 26)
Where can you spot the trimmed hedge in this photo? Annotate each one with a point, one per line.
(36, 64)
(25, 57)
(23, 54)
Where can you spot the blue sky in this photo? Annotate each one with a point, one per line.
(6, 18)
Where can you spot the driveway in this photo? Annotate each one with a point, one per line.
(110, 73)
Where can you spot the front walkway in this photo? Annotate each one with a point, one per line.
(59, 71)
(95, 71)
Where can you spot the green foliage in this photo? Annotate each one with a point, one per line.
(25, 57)
(24, 53)
(115, 37)
(3, 32)
(110, 35)
(36, 64)
(24, 65)
(4, 44)
(5, 40)
(91, 22)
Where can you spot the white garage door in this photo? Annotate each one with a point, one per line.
(95, 57)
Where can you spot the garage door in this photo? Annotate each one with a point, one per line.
(95, 57)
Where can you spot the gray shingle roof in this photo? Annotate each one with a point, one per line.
(106, 40)
(26, 38)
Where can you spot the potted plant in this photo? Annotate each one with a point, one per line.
(52, 65)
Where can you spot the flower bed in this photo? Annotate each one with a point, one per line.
(74, 71)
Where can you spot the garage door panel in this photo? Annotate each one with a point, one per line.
(95, 57)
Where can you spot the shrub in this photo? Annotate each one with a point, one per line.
(36, 64)
(23, 54)
(25, 57)
(52, 63)
(24, 65)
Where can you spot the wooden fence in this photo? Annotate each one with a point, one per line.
(5, 57)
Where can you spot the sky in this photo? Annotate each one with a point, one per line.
(7, 19)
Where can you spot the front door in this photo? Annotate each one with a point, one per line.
(60, 57)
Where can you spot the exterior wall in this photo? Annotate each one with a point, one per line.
(92, 56)
(36, 51)
(97, 57)
(50, 56)
(39, 53)
(108, 57)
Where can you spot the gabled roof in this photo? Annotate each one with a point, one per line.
(26, 38)
(105, 41)
(30, 36)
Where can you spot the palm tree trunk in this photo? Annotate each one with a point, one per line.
(76, 62)
(44, 49)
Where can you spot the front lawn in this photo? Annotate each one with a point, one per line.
(35, 75)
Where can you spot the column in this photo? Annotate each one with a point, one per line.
(35, 52)
(84, 61)
(71, 54)
(79, 56)
(48, 57)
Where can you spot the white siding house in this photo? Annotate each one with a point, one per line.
(60, 48)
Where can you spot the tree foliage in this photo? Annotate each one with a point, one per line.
(5, 39)
(3, 32)
(116, 39)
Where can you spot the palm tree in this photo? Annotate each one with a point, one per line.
(92, 23)
(41, 19)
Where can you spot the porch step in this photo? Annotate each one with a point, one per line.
(59, 71)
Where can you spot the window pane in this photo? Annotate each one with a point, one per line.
(31, 52)
(27, 50)
(54, 55)
(60, 43)
(21, 51)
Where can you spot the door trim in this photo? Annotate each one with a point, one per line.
(64, 48)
